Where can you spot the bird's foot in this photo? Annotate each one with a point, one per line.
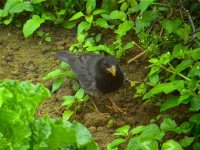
(115, 107)
(106, 115)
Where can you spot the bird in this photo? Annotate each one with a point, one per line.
(96, 73)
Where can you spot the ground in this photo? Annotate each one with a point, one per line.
(31, 59)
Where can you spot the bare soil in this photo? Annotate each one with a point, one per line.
(30, 59)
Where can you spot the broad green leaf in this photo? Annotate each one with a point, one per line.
(171, 25)
(195, 70)
(21, 7)
(172, 102)
(123, 131)
(109, 5)
(53, 74)
(8, 21)
(171, 145)
(116, 14)
(68, 101)
(114, 144)
(69, 24)
(168, 125)
(98, 48)
(195, 54)
(98, 37)
(83, 136)
(129, 45)
(195, 103)
(184, 128)
(144, 4)
(151, 132)
(186, 141)
(76, 16)
(138, 130)
(137, 144)
(184, 32)
(102, 23)
(124, 6)
(90, 6)
(67, 114)
(165, 58)
(183, 65)
(145, 20)
(83, 26)
(124, 27)
(5, 95)
(80, 94)
(31, 25)
(37, 1)
(89, 18)
(195, 118)
(165, 88)
(99, 11)
(57, 83)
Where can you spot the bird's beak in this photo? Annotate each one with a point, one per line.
(112, 70)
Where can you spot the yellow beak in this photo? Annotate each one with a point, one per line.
(112, 70)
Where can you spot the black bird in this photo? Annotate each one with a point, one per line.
(97, 74)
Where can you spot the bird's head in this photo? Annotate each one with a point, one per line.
(110, 65)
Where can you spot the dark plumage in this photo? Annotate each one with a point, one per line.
(96, 73)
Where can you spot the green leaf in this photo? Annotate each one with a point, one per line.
(124, 27)
(57, 83)
(186, 141)
(195, 54)
(68, 101)
(80, 94)
(37, 1)
(116, 14)
(144, 4)
(172, 102)
(83, 26)
(98, 48)
(129, 45)
(171, 26)
(196, 146)
(21, 7)
(171, 145)
(184, 33)
(123, 131)
(137, 144)
(53, 74)
(168, 125)
(165, 58)
(76, 16)
(5, 94)
(145, 20)
(138, 130)
(69, 24)
(99, 11)
(179, 51)
(31, 25)
(89, 18)
(67, 114)
(114, 144)
(194, 103)
(195, 70)
(165, 88)
(195, 118)
(124, 6)
(151, 132)
(102, 23)
(183, 65)
(90, 6)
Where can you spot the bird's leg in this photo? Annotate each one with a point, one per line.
(98, 111)
(115, 107)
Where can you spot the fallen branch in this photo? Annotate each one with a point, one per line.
(136, 57)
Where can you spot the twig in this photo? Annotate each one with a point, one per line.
(136, 57)
(191, 21)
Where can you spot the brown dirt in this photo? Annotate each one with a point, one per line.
(30, 59)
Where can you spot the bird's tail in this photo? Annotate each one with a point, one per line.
(65, 56)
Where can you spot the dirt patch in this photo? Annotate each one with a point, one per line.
(30, 59)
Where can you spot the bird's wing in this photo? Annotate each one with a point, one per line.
(84, 67)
